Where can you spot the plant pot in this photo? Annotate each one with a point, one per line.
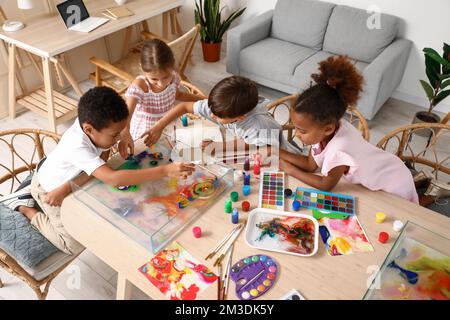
(211, 51)
(425, 117)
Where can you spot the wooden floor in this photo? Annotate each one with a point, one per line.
(98, 280)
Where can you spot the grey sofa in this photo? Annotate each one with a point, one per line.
(281, 48)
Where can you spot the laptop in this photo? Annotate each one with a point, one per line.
(76, 16)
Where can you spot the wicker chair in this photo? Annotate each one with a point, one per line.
(120, 74)
(26, 147)
(352, 115)
(423, 153)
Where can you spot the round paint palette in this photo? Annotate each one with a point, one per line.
(254, 276)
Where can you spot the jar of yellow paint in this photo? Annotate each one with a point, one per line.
(379, 217)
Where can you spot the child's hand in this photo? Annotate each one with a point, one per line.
(205, 143)
(287, 167)
(55, 197)
(126, 145)
(180, 169)
(153, 135)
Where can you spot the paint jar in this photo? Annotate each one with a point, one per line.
(296, 205)
(379, 217)
(246, 164)
(246, 179)
(246, 190)
(245, 206)
(228, 206)
(235, 216)
(397, 225)
(184, 120)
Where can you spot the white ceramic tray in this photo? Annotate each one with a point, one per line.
(277, 243)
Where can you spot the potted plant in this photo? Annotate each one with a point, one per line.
(437, 69)
(209, 15)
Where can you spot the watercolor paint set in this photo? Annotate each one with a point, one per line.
(326, 201)
(254, 276)
(271, 191)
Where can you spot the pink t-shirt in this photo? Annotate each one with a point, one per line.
(370, 166)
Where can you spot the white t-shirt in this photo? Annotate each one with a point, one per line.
(74, 154)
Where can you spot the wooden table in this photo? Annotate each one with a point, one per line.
(47, 37)
(317, 277)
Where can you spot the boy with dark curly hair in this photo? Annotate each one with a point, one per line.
(82, 153)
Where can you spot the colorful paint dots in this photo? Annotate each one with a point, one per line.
(326, 201)
(271, 191)
(245, 295)
(254, 293)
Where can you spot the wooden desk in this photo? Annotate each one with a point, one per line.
(317, 277)
(47, 37)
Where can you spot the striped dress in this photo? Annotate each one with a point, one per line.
(150, 106)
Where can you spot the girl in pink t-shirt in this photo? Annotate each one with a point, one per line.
(153, 93)
(338, 148)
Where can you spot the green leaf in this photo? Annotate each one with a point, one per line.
(446, 56)
(441, 96)
(209, 15)
(445, 84)
(435, 56)
(428, 89)
(432, 69)
(229, 20)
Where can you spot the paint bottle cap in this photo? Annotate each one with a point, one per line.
(287, 193)
(234, 196)
(197, 231)
(246, 190)
(245, 206)
(379, 217)
(296, 205)
(383, 237)
(397, 225)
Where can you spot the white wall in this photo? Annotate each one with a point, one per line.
(425, 22)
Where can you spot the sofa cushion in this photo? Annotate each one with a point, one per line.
(303, 72)
(302, 22)
(273, 59)
(348, 33)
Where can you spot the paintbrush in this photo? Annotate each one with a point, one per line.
(224, 240)
(226, 279)
(230, 243)
(174, 133)
(253, 279)
(219, 282)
